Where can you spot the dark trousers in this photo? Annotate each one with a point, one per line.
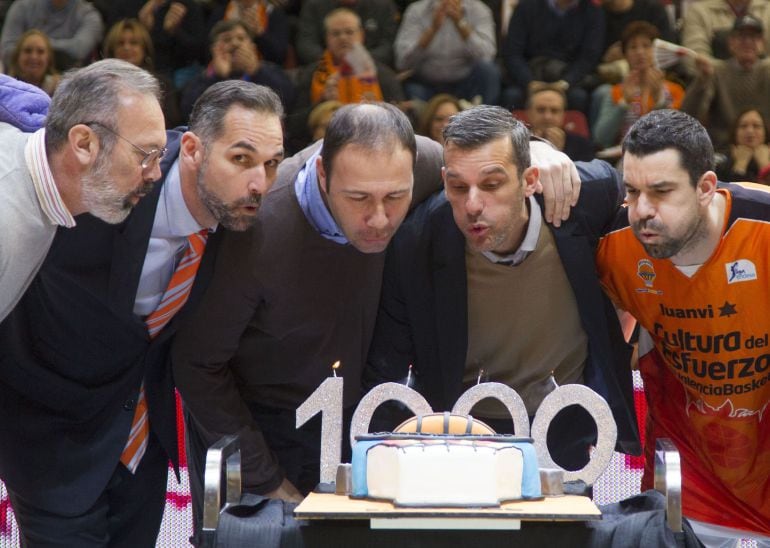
(128, 513)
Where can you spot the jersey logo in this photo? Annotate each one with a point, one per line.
(742, 270)
(646, 272)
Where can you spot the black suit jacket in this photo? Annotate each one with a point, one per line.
(423, 317)
(73, 356)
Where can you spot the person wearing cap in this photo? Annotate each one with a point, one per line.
(724, 88)
(706, 26)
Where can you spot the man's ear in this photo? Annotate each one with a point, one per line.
(706, 188)
(84, 144)
(530, 180)
(191, 149)
(322, 181)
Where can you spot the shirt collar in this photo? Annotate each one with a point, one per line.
(42, 180)
(529, 243)
(312, 204)
(172, 217)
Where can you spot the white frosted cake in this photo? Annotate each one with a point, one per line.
(445, 470)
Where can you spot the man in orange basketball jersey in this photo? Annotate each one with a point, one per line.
(688, 259)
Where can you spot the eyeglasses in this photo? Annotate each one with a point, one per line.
(150, 156)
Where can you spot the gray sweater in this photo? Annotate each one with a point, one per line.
(26, 232)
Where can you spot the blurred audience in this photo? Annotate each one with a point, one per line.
(723, 88)
(113, 11)
(449, 46)
(378, 17)
(546, 106)
(266, 22)
(32, 61)
(554, 41)
(319, 118)
(435, 116)
(618, 14)
(129, 40)
(74, 28)
(748, 157)
(177, 29)
(346, 72)
(643, 89)
(707, 24)
(234, 56)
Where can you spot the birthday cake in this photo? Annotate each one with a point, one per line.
(466, 470)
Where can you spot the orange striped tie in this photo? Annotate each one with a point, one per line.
(173, 299)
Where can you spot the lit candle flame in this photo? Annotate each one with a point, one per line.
(481, 374)
(409, 375)
(335, 366)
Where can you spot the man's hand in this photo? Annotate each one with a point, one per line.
(286, 491)
(245, 58)
(556, 136)
(221, 59)
(174, 16)
(559, 181)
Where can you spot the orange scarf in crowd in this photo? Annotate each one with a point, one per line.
(351, 88)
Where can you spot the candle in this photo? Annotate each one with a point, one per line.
(327, 400)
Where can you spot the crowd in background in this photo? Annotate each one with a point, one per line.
(580, 72)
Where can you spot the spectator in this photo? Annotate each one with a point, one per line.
(346, 72)
(177, 29)
(748, 157)
(723, 88)
(33, 61)
(129, 40)
(234, 56)
(379, 19)
(545, 111)
(450, 46)
(319, 118)
(266, 22)
(707, 24)
(618, 14)
(435, 116)
(73, 26)
(643, 89)
(553, 41)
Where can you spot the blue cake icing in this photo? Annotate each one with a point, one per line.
(530, 485)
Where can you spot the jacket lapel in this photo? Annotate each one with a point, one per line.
(451, 302)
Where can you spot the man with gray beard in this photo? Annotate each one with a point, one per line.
(88, 415)
(49, 177)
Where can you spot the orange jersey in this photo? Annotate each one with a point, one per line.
(707, 379)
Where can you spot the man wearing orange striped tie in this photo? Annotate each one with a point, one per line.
(87, 416)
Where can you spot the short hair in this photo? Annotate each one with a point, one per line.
(339, 11)
(207, 118)
(13, 65)
(663, 129)
(226, 25)
(427, 114)
(372, 126)
(547, 87)
(133, 25)
(478, 126)
(92, 93)
(637, 28)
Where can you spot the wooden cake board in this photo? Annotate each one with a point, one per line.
(383, 515)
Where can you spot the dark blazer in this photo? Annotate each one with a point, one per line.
(72, 358)
(423, 310)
